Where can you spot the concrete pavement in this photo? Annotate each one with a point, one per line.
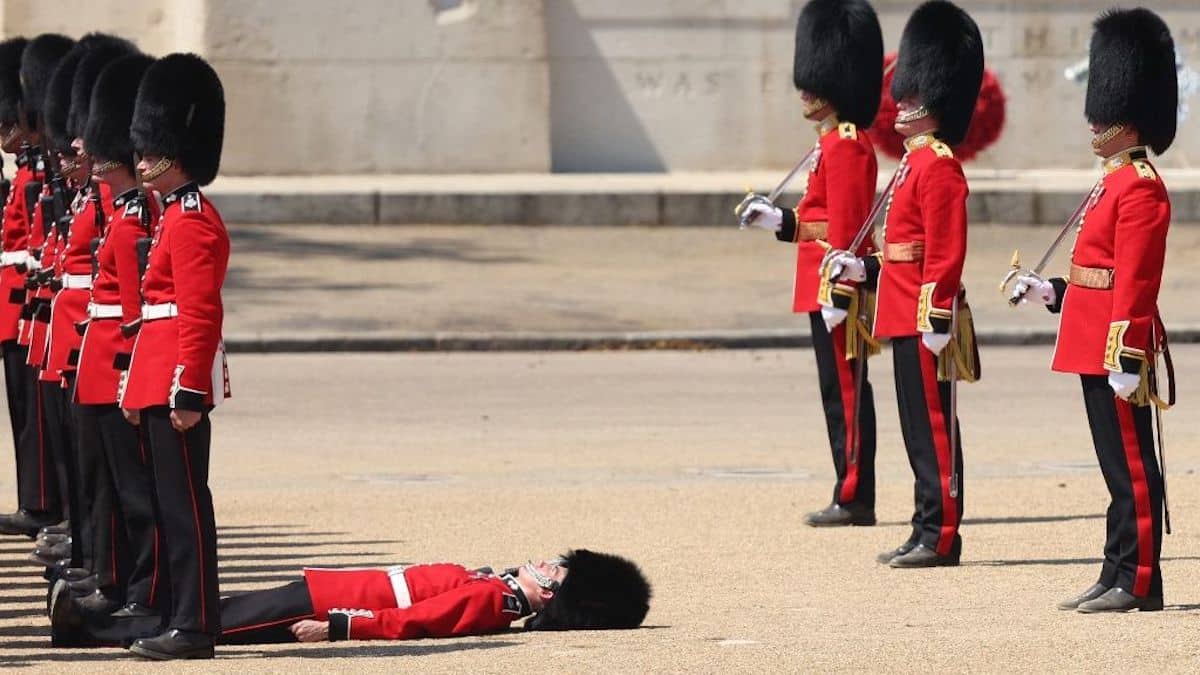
(362, 288)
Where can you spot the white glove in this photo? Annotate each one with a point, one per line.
(1032, 287)
(935, 342)
(1124, 384)
(846, 265)
(762, 214)
(832, 316)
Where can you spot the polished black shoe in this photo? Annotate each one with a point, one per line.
(837, 515)
(63, 528)
(175, 644)
(50, 555)
(44, 539)
(887, 556)
(26, 522)
(921, 556)
(65, 621)
(76, 574)
(97, 603)
(1117, 599)
(134, 610)
(1093, 592)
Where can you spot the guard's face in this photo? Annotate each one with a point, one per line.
(815, 107)
(160, 173)
(1110, 139)
(545, 575)
(75, 164)
(912, 117)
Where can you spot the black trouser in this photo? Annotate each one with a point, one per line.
(257, 617)
(131, 471)
(58, 437)
(855, 467)
(39, 484)
(1124, 438)
(186, 520)
(924, 405)
(14, 388)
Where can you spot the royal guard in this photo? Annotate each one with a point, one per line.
(838, 72)
(920, 303)
(43, 478)
(67, 108)
(177, 372)
(1110, 333)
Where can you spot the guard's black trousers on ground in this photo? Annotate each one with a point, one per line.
(257, 617)
(189, 530)
(855, 466)
(39, 486)
(924, 405)
(1124, 438)
(125, 535)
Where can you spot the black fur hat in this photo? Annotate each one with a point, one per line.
(10, 79)
(180, 114)
(941, 62)
(600, 591)
(111, 110)
(38, 61)
(100, 53)
(60, 107)
(1132, 77)
(839, 57)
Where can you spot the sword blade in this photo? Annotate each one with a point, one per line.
(1062, 234)
(863, 231)
(791, 175)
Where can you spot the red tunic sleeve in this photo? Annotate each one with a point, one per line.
(943, 195)
(199, 256)
(1139, 251)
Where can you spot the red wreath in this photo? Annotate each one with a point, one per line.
(986, 123)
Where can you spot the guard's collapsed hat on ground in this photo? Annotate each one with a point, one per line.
(59, 103)
(38, 61)
(839, 57)
(600, 591)
(111, 109)
(941, 63)
(1132, 77)
(10, 79)
(180, 114)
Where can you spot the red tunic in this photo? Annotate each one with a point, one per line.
(39, 332)
(14, 241)
(1124, 229)
(441, 600)
(179, 360)
(928, 205)
(69, 306)
(841, 187)
(105, 352)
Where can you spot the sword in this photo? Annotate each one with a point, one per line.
(1058, 240)
(860, 371)
(740, 209)
(953, 372)
(868, 224)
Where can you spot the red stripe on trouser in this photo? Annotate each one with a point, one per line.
(1141, 498)
(846, 386)
(112, 545)
(154, 578)
(268, 624)
(187, 463)
(941, 447)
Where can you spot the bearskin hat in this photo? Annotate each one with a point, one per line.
(941, 62)
(38, 61)
(100, 54)
(1132, 77)
(60, 103)
(839, 57)
(111, 110)
(600, 591)
(180, 114)
(10, 79)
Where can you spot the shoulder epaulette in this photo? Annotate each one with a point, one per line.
(191, 202)
(1144, 169)
(848, 130)
(941, 149)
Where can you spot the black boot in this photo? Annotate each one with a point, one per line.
(1117, 599)
(49, 556)
(886, 557)
(26, 522)
(97, 603)
(837, 515)
(175, 644)
(1093, 592)
(922, 556)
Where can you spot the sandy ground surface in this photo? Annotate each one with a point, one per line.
(697, 464)
(382, 281)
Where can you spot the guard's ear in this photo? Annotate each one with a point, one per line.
(546, 594)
